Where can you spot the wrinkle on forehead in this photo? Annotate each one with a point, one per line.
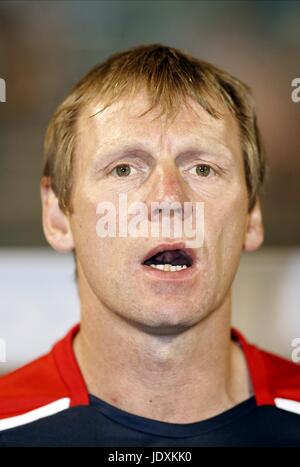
(121, 122)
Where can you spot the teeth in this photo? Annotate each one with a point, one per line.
(168, 267)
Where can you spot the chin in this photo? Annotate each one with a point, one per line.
(169, 317)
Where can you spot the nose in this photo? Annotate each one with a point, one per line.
(166, 191)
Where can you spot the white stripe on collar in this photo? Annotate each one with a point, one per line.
(287, 404)
(36, 414)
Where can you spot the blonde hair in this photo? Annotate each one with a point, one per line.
(170, 76)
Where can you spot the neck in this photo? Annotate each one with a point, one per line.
(182, 377)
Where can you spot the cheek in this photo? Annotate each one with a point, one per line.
(96, 253)
(83, 223)
(225, 227)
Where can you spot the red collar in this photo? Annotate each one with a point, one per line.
(69, 369)
(256, 368)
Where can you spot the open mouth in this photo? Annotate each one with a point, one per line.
(169, 260)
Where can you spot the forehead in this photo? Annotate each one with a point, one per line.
(121, 124)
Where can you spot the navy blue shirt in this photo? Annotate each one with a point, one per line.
(101, 424)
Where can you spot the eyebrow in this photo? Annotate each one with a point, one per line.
(216, 150)
(102, 160)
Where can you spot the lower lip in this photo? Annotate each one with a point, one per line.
(183, 275)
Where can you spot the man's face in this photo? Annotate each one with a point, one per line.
(194, 158)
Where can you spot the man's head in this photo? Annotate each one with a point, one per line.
(157, 125)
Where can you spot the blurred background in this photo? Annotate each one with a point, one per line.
(45, 48)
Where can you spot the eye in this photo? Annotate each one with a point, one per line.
(123, 170)
(203, 170)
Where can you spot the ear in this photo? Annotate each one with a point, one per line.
(254, 233)
(56, 224)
